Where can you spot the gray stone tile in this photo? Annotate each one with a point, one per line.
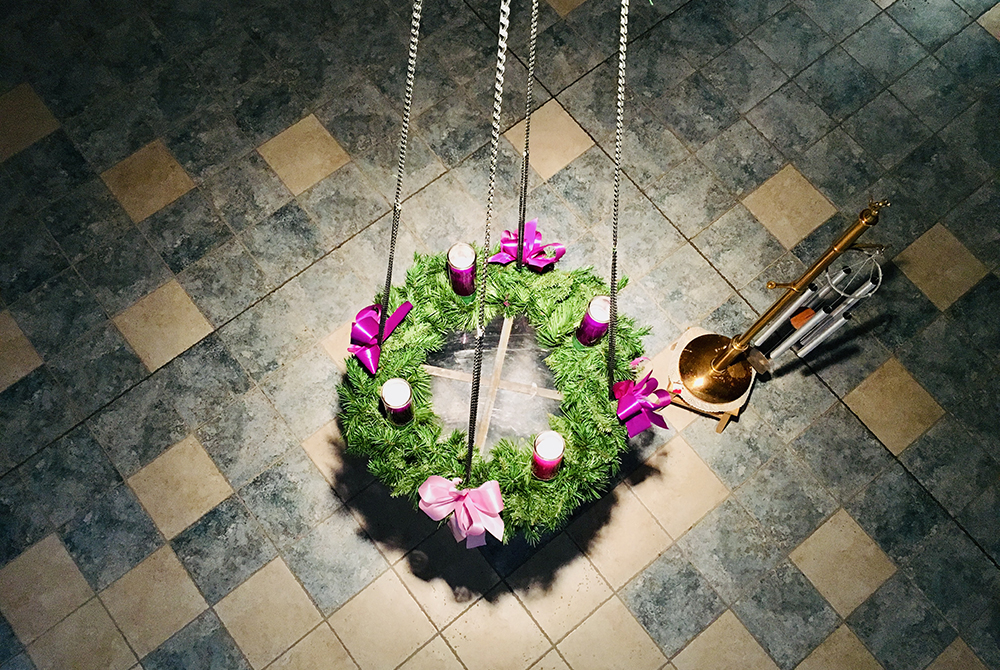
(942, 174)
(224, 282)
(267, 105)
(335, 560)
(247, 191)
(790, 120)
(840, 19)
(886, 129)
(49, 169)
(900, 627)
(266, 336)
(787, 615)
(474, 175)
(587, 185)
(847, 357)
(884, 49)
(285, 243)
(900, 311)
(84, 220)
(672, 601)
(695, 110)
(123, 271)
(563, 55)
(431, 84)
(931, 22)
(57, 313)
(648, 147)
(30, 256)
(700, 31)
(746, 15)
(304, 391)
(343, 204)
(770, 399)
(731, 550)
(203, 640)
(9, 644)
(840, 168)
(791, 39)
(733, 316)
(744, 75)
(738, 246)
(756, 293)
(185, 230)
(980, 519)
(933, 93)
(206, 142)
(838, 84)
(454, 128)
(444, 213)
(113, 128)
(976, 223)
(691, 196)
(328, 294)
(686, 287)
(131, 48)
(741, 157)
(969, 314)
(974, 55)
(203, 380)
(654, 67)
(971, 136)
(983, 635)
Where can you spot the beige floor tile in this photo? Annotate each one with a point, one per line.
(562, 7)
(789, 206)
(40, 587)
(267, 613)
(677, 487)
(991, 21)
(497, 634)
(574, 592)
(320, 649)
(162, 325)
(303, 154)
(724, 644)
(24, 119)
(85, 640)
(17, 356)
(148, 180)
(438, 562)
(180, 486)
(551, 661)
(556, 139)
(336, 343)
(619, 520)
(154, 600)
(841, 651)
(894, 406)
(435, 656)
(940, 266)
(611, 639)
(382, 625)
(843, 563)
(957, 656)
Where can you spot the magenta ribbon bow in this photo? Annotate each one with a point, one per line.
(364, 333)
(476, 511)
(634, 406)
(535, 253)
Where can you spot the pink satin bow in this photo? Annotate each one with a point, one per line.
(634, 406)
(364, 333)
(476, 511)
(534, 254)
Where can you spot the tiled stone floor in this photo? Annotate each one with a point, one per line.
(194, 201)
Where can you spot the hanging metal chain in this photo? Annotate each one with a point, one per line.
(411, 66)
(619, 130)
(528, 104)
(477, 370)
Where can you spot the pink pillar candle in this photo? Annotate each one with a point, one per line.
(462, 269)
(396, 396)
(595, 321)
(548, 454)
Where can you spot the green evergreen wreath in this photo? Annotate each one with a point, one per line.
(554, 302)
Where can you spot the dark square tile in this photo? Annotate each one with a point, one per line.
(22, 522)
(66, 477)
(900, 627)
(791, 39)
(304, 392)
(85, 220)
(122, 271)
(839, 19)
(174, 91)
(886, 129)
(741, 157)
(975, 7)
(771, 400)
(901, 310)
(515, 92)
(69, 85)
(756, 293)
(787, 615)
(654, 67)
(940, 173)
(897, 512)
(206, 142)
(464, 47)
(223, 549)
(790, 120)
(884, 49)
(686, 287)
(224, 282)
(431, 82)
(598, 22)
(842, 453)
(563, 55)
(838, 84)
(983, 635)
(112, 128)
(111, 537)
(230, 60)
(187, 24)
(695, 110)
(672, 601)
(969, 314)
(328, 294)
(933, 93)
(474, 174)
(848, 357)
(9, 644)
(247, 191)
(976, 223)
(955, 575)
(700, 31)
(648, 147)
(266, 336)
(981, 519)
(738, 246)
(733, 316)
(587, 186)
(185, 230)
(746, 15)
(454, 128)
(204, 379)
(786, 499)
(20, 662)
(49, 169)
(932, 22)
(267, 105)
(97, 368)
(343, 204)
(974, 55)
(203, 644)
(840, 168)
(636, 257)
(140, 425)
(731, 550)
(285, 243)
(28, 258)
(57, 313)
(744, 75)
(131, 49)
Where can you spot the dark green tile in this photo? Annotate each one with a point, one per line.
(838, 83)
(185, 230)
(932, 22)
(791, 39)
(884, 49)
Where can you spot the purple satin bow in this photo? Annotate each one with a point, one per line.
(476, 511)
(364, 333)
(535, 253)
(634, 406)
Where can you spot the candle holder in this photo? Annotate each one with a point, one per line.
(396, 400)
(548, 454)
(595, 321)
(462, 269)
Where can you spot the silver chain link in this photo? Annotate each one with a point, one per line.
(619, 131)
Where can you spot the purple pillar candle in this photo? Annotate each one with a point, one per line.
(548, 454)
(396, 396)
(595, 321)
(462, 269)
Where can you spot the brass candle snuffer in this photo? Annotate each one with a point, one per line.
(719, 370)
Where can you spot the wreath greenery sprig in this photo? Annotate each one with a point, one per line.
(553, 302)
